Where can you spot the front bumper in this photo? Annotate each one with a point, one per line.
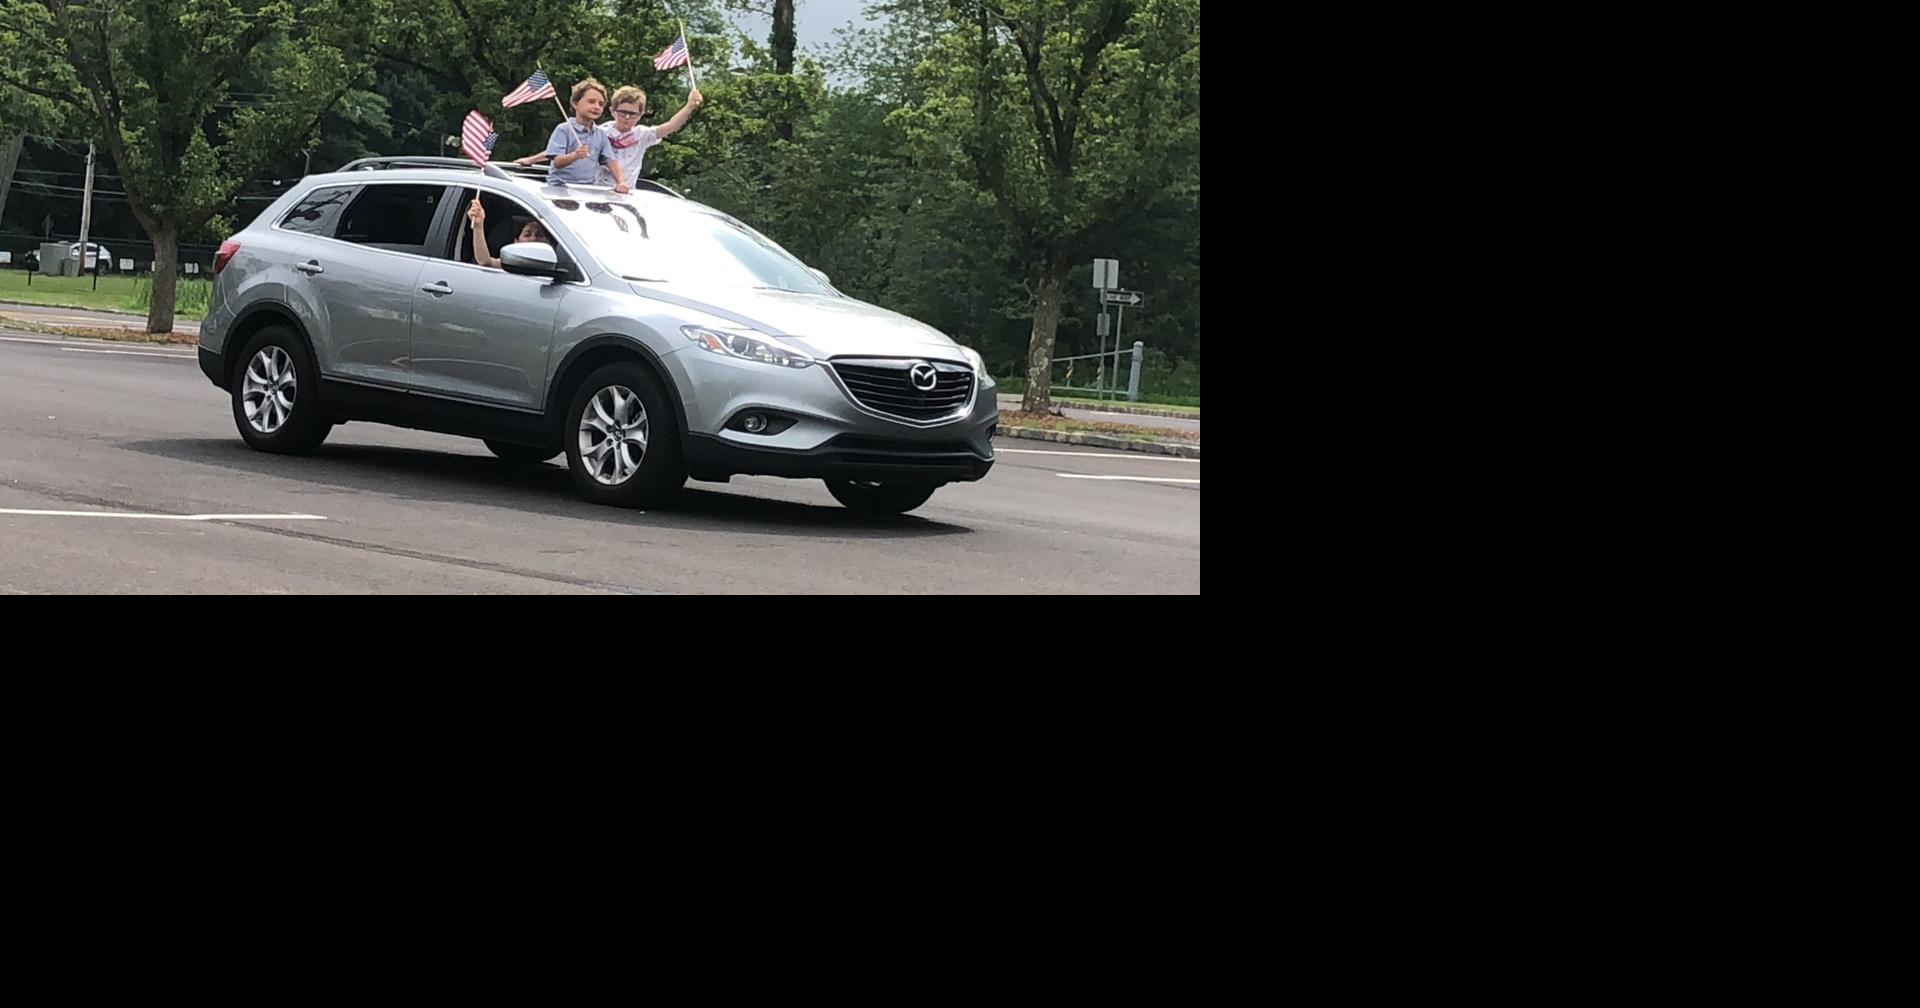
(822, 433)
(961, 459)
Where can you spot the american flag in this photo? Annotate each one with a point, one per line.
(477, 137)
(536, 88)
(675, 55)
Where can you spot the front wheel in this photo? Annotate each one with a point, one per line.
(623, 444)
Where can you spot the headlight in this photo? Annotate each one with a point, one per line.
(973, 357)
(764, 349)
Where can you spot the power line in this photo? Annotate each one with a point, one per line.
(49, 185)
(278, 183)
(61, 171)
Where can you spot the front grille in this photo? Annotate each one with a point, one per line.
(884, 387)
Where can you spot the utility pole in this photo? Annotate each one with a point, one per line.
(86, 210)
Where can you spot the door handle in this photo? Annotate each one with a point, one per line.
(310, 267)
(437, 288)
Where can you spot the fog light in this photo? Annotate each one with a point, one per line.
(761, 422)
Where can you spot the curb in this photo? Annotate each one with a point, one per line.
(1100, 441)
(4, 303)
(132, 318)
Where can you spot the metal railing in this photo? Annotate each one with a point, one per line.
(1106, 382)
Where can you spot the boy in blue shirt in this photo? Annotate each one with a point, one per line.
(577, 148)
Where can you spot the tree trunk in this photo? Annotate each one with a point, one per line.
(783, 37)
(783, 42)
(166, 277)
(1046, 319)
(9, 159)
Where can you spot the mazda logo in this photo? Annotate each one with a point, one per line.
(923, 377)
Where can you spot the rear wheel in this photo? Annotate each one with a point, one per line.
(276, 394)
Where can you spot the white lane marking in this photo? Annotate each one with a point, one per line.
(129, 353)
(169, 517)
(1140, 456)
(1135, 479)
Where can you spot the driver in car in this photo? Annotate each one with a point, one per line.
(477, 220)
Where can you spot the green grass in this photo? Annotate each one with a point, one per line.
(190, 297)
(116, 293)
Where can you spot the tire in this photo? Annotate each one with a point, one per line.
(524, 454)
(270, 419)
(880, 498)
(630, 396)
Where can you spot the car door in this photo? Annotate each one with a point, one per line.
(360, 277)
(480, 333)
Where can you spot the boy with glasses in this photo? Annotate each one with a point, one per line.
(628, 141)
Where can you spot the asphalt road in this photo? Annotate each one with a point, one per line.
(120, 472)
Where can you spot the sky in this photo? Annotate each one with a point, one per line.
(814, 22)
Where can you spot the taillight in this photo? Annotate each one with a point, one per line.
(227, 249)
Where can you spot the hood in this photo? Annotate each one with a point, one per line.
(820, 324)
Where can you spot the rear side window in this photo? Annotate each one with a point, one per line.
(392, 217)
(319, 211)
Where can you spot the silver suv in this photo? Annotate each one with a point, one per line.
(653, 340)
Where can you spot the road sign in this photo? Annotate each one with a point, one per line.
(1120, 297)
(1106, 274)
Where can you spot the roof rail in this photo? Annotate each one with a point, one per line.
(494, 169)
(656, 187)
(417, 161)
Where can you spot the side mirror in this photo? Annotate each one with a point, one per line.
(531, 259)
(821, 275)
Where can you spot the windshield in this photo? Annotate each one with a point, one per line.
(665, 242)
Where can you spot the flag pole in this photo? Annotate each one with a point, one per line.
(683, 37)
(564, 114)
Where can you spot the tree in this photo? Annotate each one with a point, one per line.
(782, 38)
(1072, 117)
(154, 76)
(474, 51)
(781, 42)
(20, 114)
